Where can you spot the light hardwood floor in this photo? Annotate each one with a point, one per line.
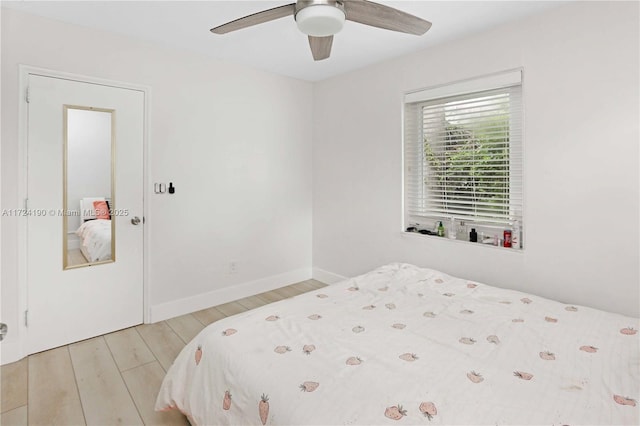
(75, 257)
(112, 379)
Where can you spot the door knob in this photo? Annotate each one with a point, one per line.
(3, 330)
(135, 220)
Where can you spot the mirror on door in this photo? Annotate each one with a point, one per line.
(88, 190)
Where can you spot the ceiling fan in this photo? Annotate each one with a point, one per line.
(321, 19)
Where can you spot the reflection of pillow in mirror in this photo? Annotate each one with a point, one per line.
(102, 210)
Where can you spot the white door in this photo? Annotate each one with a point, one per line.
(69, 299)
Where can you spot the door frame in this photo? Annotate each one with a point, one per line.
(23, 122)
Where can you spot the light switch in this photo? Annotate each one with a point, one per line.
(159, 188)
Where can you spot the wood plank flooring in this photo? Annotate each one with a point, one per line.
(112, 379)
(75, 257)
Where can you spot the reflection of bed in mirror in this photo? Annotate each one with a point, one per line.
(94, 233)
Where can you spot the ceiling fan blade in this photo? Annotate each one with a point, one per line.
(388, 18)
(255, 19)
(320, 47)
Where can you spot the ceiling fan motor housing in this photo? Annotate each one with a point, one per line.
(320, 18)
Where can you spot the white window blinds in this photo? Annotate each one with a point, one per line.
(463, 152)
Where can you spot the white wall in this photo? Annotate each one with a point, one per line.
(581, 98)
(236, 143)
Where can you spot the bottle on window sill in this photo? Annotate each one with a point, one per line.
(440, 230)
(452, 228)
(461, 231)
(473, 235)
(506, 239)
(515, 238)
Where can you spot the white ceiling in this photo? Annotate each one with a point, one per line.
(278, 46)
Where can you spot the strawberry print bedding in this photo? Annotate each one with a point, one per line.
(407, 345)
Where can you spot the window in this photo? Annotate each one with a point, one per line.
(463, 155)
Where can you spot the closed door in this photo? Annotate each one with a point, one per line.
(85, 204)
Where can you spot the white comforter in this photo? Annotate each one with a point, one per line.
(96, 239)
(408, 345)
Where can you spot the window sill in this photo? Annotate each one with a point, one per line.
(406, 234)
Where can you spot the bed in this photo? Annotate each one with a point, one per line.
(94, 233)
(407, 345)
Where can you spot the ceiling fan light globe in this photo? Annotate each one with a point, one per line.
(320, 20)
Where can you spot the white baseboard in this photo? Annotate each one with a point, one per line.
(327, 277)
(187, 305)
